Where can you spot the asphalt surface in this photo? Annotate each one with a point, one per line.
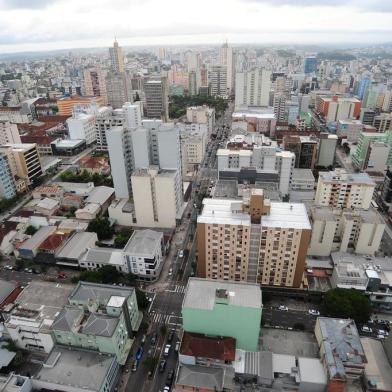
(289, 319)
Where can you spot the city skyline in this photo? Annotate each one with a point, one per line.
(35, 26)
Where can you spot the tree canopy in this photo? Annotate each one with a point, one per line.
(102, 227)
(106, 274)
(178, 104)
(85, 176)
(347, 303)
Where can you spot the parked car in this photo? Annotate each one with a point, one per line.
(170, 336)
(139, 353)
(135, 365)
(180, 253)
(366, 329)
(284, 308)
(8, 267)
(177, 347)
(154, 338)
(314, 312)
(162, 365)
(166, 350)
(61, 275)
(382, 332)
(170, 377)
(170, 272)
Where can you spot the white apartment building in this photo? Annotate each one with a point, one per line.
(253, 240)
(217, 80)
(157, 197)
(349, 129)
(106, 118)
(252, 88)
(344, 190)
(143, 254)
(345, 230)
(326, 149)
(9, 133)
(377, 156)
(37, 306)
(82, 126)
(257, 152)
(201, 115)
(194, 139)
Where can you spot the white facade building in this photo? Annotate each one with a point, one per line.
(9, 133)
(81, 126)
(194, 139)
(252, 88)
(326, 150)
(201, 115)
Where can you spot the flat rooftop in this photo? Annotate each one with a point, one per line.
(201, 294)
(79, 369)
(341, 176)
(287, 215)
(143, 242)
(76, 245)
(303, 174)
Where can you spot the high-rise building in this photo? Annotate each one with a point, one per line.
(7, 185)
(305, 150)
(9, 133)
(280, 106)
(157, 197)
(344, 190)
(157, 105)
(82, 125)
(24, 161)
(338, 108)
(118, 89)
(252, 88)
(310, 64)
(217, 80)
(117, 58)
(94, 83)
(326, 149)
(106, 118)
(226, 59)
(253, 240)
(201, 115)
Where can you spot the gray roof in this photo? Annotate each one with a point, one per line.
(76, 246)
(100, 293)
(100, 195)
(200, 293)
(205, 377)
(302, 174)
(100, 325)
(5, 356)
(81, 369)
(67, 318)
(311, 370)
(342, 345)
(6, 288)
(104, 256)
(143, 242)
(39, 237)
(259, 363)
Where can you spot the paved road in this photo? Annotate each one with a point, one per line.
(289, 319)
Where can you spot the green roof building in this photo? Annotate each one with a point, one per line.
(222, 308)
(99, 317)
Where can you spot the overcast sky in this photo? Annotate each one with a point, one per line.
(56, 24)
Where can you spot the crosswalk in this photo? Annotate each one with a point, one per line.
(176, 289)
(159, 318)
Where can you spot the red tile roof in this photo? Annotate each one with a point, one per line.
(53, 241)
(198, 345)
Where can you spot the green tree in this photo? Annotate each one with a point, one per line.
(106, 274)
(102, 227)
(347, 303)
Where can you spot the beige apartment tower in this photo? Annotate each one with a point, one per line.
(253, 240)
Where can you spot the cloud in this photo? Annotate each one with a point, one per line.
(366, 5)
(25, 4)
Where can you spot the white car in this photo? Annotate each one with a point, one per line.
(366, 329)
(170, 271)
(284, 308)
(382, 332)
(181, 254)
(314, 312)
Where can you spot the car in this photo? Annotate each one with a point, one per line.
(366, 329)
(380, 336)
(382, 332)
(166, 350)
(170, 335)
(166, 389)
(169, 378)
(28, 270)
(135, 365)
(139, 353)
(177, 347)
(162, 366)
(170, 272)
(154, 338)
(314, 312)
(143, 339)
(8, 267)
(180, 253)
(283, 308)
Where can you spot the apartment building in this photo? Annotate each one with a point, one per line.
(94, 83)
(253, 240)
(157, 105)
(201, 115)
(326, 149)
(99, 317)
(157, 197)
(255, 157)
(24, 161)
(252, 88)
(7, 184)
(217, 80)
(345, 230)
(344, 190)
(117, 57)
(337, 108)
(9, 133)
(118, 89)
(305, 149)
(82, 126)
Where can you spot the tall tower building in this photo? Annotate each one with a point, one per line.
(117, 57)
(157, 105)
(226, 59)
(252, 88)
(94, 83)
(118, 87)
(217, 78)
(7, 185)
